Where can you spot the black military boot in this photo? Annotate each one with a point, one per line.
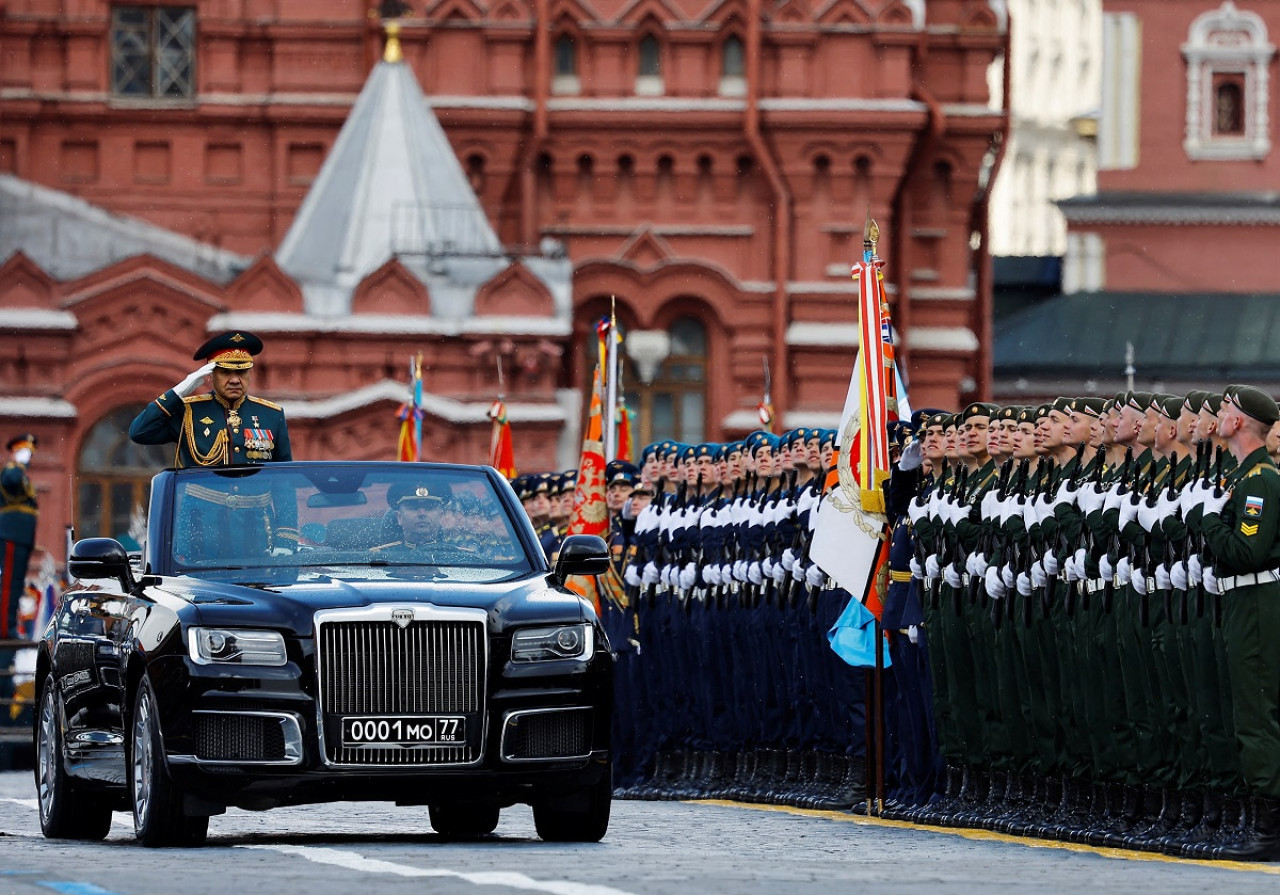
(1260, 835)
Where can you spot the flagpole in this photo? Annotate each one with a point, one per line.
(611, 386)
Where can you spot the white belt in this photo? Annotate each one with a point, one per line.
(1234, 581)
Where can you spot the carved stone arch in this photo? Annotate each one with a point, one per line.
(728, 14)
(457, 10)
(646, 249)
(572, 11)
(611, 276)
(264, 287)
(979, 16)
(897, 14)
(843, 12)
(510, 11)
(23, 284)
(654, 15)
(391, 289)
(793, 12)
(515, 292)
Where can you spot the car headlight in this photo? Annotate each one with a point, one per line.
(236, 646)
(562, 642)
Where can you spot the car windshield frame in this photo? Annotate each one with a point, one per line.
(316, 521)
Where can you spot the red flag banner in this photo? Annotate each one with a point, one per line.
(590, 516)
(501, 449)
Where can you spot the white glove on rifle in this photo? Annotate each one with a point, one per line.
(1129, 509)
(779, 572)
(631, 576)
(931, 567)
(995, 586)
(1178, 575)
(1038, 576)
(1211, 581)
(1089, 498)
(1124, 571)
(815, 577)
(650, 573)
(1139, 582)
(916, 569)
(1050, 563)
(192, 382)
(755, 574)
(1195, 570)
(952, 576)
(1148, 516)
(1214, 502)
(688, 576)
(1163, 579)
(1024, 584)
(1105, 568)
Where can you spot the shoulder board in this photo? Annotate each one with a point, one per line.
(264, 402)
(196, 399)
(385, 546)
(1260, 469)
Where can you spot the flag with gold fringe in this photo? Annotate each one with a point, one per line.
(626, 440)
(410, 415)
(502, 456)
(851, 531)
(590, 515)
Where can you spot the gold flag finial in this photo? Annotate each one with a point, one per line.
(871, 235)
(392, 52)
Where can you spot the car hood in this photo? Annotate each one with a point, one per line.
(508, 604)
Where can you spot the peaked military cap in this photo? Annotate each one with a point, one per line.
(568, 480)
(1253, 402)
(435, 492)
(231, 351)
(21, 441)
(620, 472)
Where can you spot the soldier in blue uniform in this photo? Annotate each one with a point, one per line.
(224, 428)
(17, 537)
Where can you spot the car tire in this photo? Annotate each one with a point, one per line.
(158, 818)
(463, 821)
(587, 821)
(66, 810)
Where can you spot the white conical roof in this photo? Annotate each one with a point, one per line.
(392, 186)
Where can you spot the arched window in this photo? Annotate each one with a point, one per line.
(113, 485)
(674, 404)
(649, 67)
(1228, 55)
(733, 67)
(564, 75)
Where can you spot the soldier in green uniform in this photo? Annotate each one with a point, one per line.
(1241, 525)
(226, 427)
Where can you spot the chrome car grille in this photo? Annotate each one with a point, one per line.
(379, 668)
(547, 734)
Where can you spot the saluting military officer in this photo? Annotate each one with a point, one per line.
(226, 427)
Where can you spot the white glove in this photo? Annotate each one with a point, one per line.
(1129, 509)
(1167, 507)
(1195, 569)
(1050, 563)
(1124, 571)
(740, 570)
(931, 567)
(916, 569)
(1105, 568)
(1178, 576)
(815, 577)
(192, 382)
(766, 568)
(668, 575)
(1114, 498)
(1066, 495)
(1038, 576)
(282, 551)
(1211, 581)
(711, 574)
(996, 589)
(1024, 584)
(755, 574)
(1213, 503)
(1090, 498)
(1148, 516)
(917, 510)
(631, 576)
(798, 572)
(1139, 582)
(779, 572)
(1081, 555)
(979, 565)
(912, 457)
(1073, 568)
(913, 634)
(650, 573)
(1163, 580)
(688, 576)
(991, 504)
(788, 559)
(1006, 574)
(952, 576)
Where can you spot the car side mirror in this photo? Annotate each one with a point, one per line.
(95, 558)
(581, 555)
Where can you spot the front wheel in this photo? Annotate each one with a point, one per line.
(66, 811)
(158, 818)
(583, 817)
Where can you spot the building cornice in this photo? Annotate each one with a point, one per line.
(390, 324)
(1190, 209)
(449, 409)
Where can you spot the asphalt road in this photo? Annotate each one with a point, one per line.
(653, 848)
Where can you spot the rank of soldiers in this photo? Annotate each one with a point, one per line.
(1082, 606)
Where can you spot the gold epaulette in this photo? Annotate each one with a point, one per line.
(264, 402)
(1258, 470)
(900, 577)
(231, 501)
(193, 399)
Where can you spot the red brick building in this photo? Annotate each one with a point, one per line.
(710, 165)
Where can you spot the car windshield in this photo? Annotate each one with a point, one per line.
(315, 522)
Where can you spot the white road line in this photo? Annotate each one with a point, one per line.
(510, 879)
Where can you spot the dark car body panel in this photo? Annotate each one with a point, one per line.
(108, 634)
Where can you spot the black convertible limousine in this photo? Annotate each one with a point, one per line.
(326, 631)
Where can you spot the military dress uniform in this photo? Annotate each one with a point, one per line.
(18, 511)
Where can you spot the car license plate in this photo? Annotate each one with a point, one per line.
(405, 731)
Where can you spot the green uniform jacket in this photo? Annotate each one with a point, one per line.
(1245, 537)
(17, 506)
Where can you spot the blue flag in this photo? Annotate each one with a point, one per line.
(853, 636)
